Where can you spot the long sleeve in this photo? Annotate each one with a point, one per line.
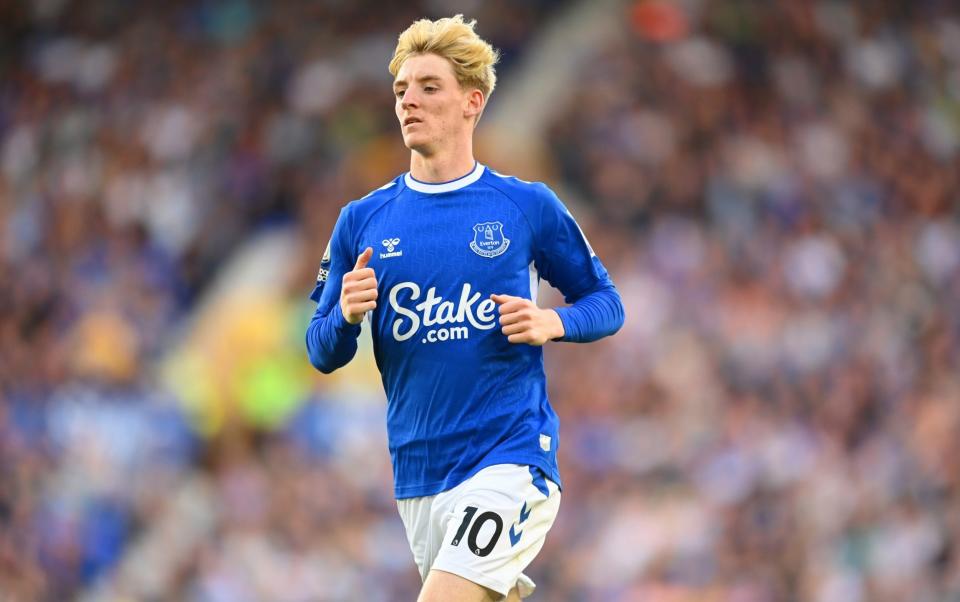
(331, 340)
(566, 260)
(593, 316)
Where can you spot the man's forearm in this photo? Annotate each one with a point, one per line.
(331, 341)
(593, 316)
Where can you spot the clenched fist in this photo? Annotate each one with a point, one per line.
(523, 322)
(358, 295)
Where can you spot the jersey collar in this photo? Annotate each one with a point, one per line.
(450, 186)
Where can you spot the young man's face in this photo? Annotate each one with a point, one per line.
(430, 104)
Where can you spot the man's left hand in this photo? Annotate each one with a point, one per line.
(523, 322)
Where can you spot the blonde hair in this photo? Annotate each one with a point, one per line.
(455, 40)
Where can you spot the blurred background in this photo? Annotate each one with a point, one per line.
(772, 184)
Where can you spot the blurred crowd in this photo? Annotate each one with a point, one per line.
(773, 186)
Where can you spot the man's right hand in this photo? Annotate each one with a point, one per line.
(358, 295)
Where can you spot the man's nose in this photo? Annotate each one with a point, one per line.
(409, 99)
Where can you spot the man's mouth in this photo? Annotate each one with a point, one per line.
(410, 120)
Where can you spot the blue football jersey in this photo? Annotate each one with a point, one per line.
(460, 397)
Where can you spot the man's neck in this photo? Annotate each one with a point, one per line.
(441, 167)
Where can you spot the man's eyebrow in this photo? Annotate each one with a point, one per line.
(424, 78)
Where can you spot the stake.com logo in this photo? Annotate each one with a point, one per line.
(436, 311)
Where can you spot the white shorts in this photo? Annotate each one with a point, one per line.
(486, 529)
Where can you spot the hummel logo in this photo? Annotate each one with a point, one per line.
(516, 535)
(391, 244)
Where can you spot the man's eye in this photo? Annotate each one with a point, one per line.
(430, 89)
(399, 93)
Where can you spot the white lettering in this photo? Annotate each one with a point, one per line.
(465, 311)
(454, 333)
(445, 313)
(412, 316)
(435, 310)
(466, 303)
(427, 305)
(486, 311)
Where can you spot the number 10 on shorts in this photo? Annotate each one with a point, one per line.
(469, 513)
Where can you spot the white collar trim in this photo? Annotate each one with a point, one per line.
(452, 185)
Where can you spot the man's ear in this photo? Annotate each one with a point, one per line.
(474, 104)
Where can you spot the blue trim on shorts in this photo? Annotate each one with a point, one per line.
(539, 480)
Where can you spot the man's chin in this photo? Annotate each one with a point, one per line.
(416, 145)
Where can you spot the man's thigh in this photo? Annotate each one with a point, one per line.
(442, 586)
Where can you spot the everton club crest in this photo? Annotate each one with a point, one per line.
(488, 239)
